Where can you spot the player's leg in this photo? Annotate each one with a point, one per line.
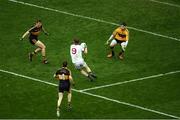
(83, 72)
(69, 97)
(89, 71)
(80, 66)
(112, 44)
(36, 51)
(123, 47)
(43, 50)
(33, 41)
(60, 97)
(87, 68)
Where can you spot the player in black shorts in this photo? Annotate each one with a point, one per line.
(65, 82)
(33, 39)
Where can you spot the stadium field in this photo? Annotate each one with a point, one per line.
(145, 85)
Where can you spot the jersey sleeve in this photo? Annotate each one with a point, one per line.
(31, 29)
(57, 72)
(82, 48)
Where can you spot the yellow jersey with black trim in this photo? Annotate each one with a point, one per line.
(121, 34)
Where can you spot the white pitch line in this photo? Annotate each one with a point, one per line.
(90, 94)
(27, 77)
(129, 81)
(132, 105)
(93, 19)
(166, 3)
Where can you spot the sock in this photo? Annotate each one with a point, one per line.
(44, 58)
(121, 52)
(33, 53)
(112, 51)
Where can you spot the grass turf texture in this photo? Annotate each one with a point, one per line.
(146, 55)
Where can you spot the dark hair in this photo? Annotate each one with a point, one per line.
(65, 64)
(76, 41)
(38, 20)
(123, 23)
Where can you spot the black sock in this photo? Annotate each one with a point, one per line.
(34, 53)
(112, 51)
(121, 52)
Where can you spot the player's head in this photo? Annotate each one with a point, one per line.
(38, 23)
(123, 25)
(65, 64)
(76, 41)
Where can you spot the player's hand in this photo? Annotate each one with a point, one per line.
(107, 43)
(46, 33)
(73, 84)
(84, 45)
(21, 39)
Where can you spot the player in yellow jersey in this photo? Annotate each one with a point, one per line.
(120, 36)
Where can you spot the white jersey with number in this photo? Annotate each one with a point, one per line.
(76, 53)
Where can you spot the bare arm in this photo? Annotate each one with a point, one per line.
(110, 38)
(85, 50)
(26, 33)
(45, 32)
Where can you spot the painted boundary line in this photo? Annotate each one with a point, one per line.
(90, 94)
(129, 104)
(129, 81)
(93, 19)
(165, 3)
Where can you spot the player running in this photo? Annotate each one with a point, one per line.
(33, 39)
(120, 36)
(65, 81)
(76, 51)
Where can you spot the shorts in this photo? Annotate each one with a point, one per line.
(80, 65)
(122, 43)
(33, 37)
(64, 85)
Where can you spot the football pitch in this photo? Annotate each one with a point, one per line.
(145, 85)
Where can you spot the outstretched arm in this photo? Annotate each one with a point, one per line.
(110, 38)
(26, 33)
(45, 32)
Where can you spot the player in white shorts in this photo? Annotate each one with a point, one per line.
(76, 51)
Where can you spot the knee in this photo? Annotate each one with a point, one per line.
(111, 46)
(43, 47)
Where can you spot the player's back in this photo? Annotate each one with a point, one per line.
(76, 53)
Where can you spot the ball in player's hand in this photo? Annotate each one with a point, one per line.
(84, 45)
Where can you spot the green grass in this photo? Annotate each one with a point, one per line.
(146, 55)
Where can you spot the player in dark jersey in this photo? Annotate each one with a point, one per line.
(33, 39)
(65, 82)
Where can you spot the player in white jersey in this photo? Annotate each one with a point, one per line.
(76, 50)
